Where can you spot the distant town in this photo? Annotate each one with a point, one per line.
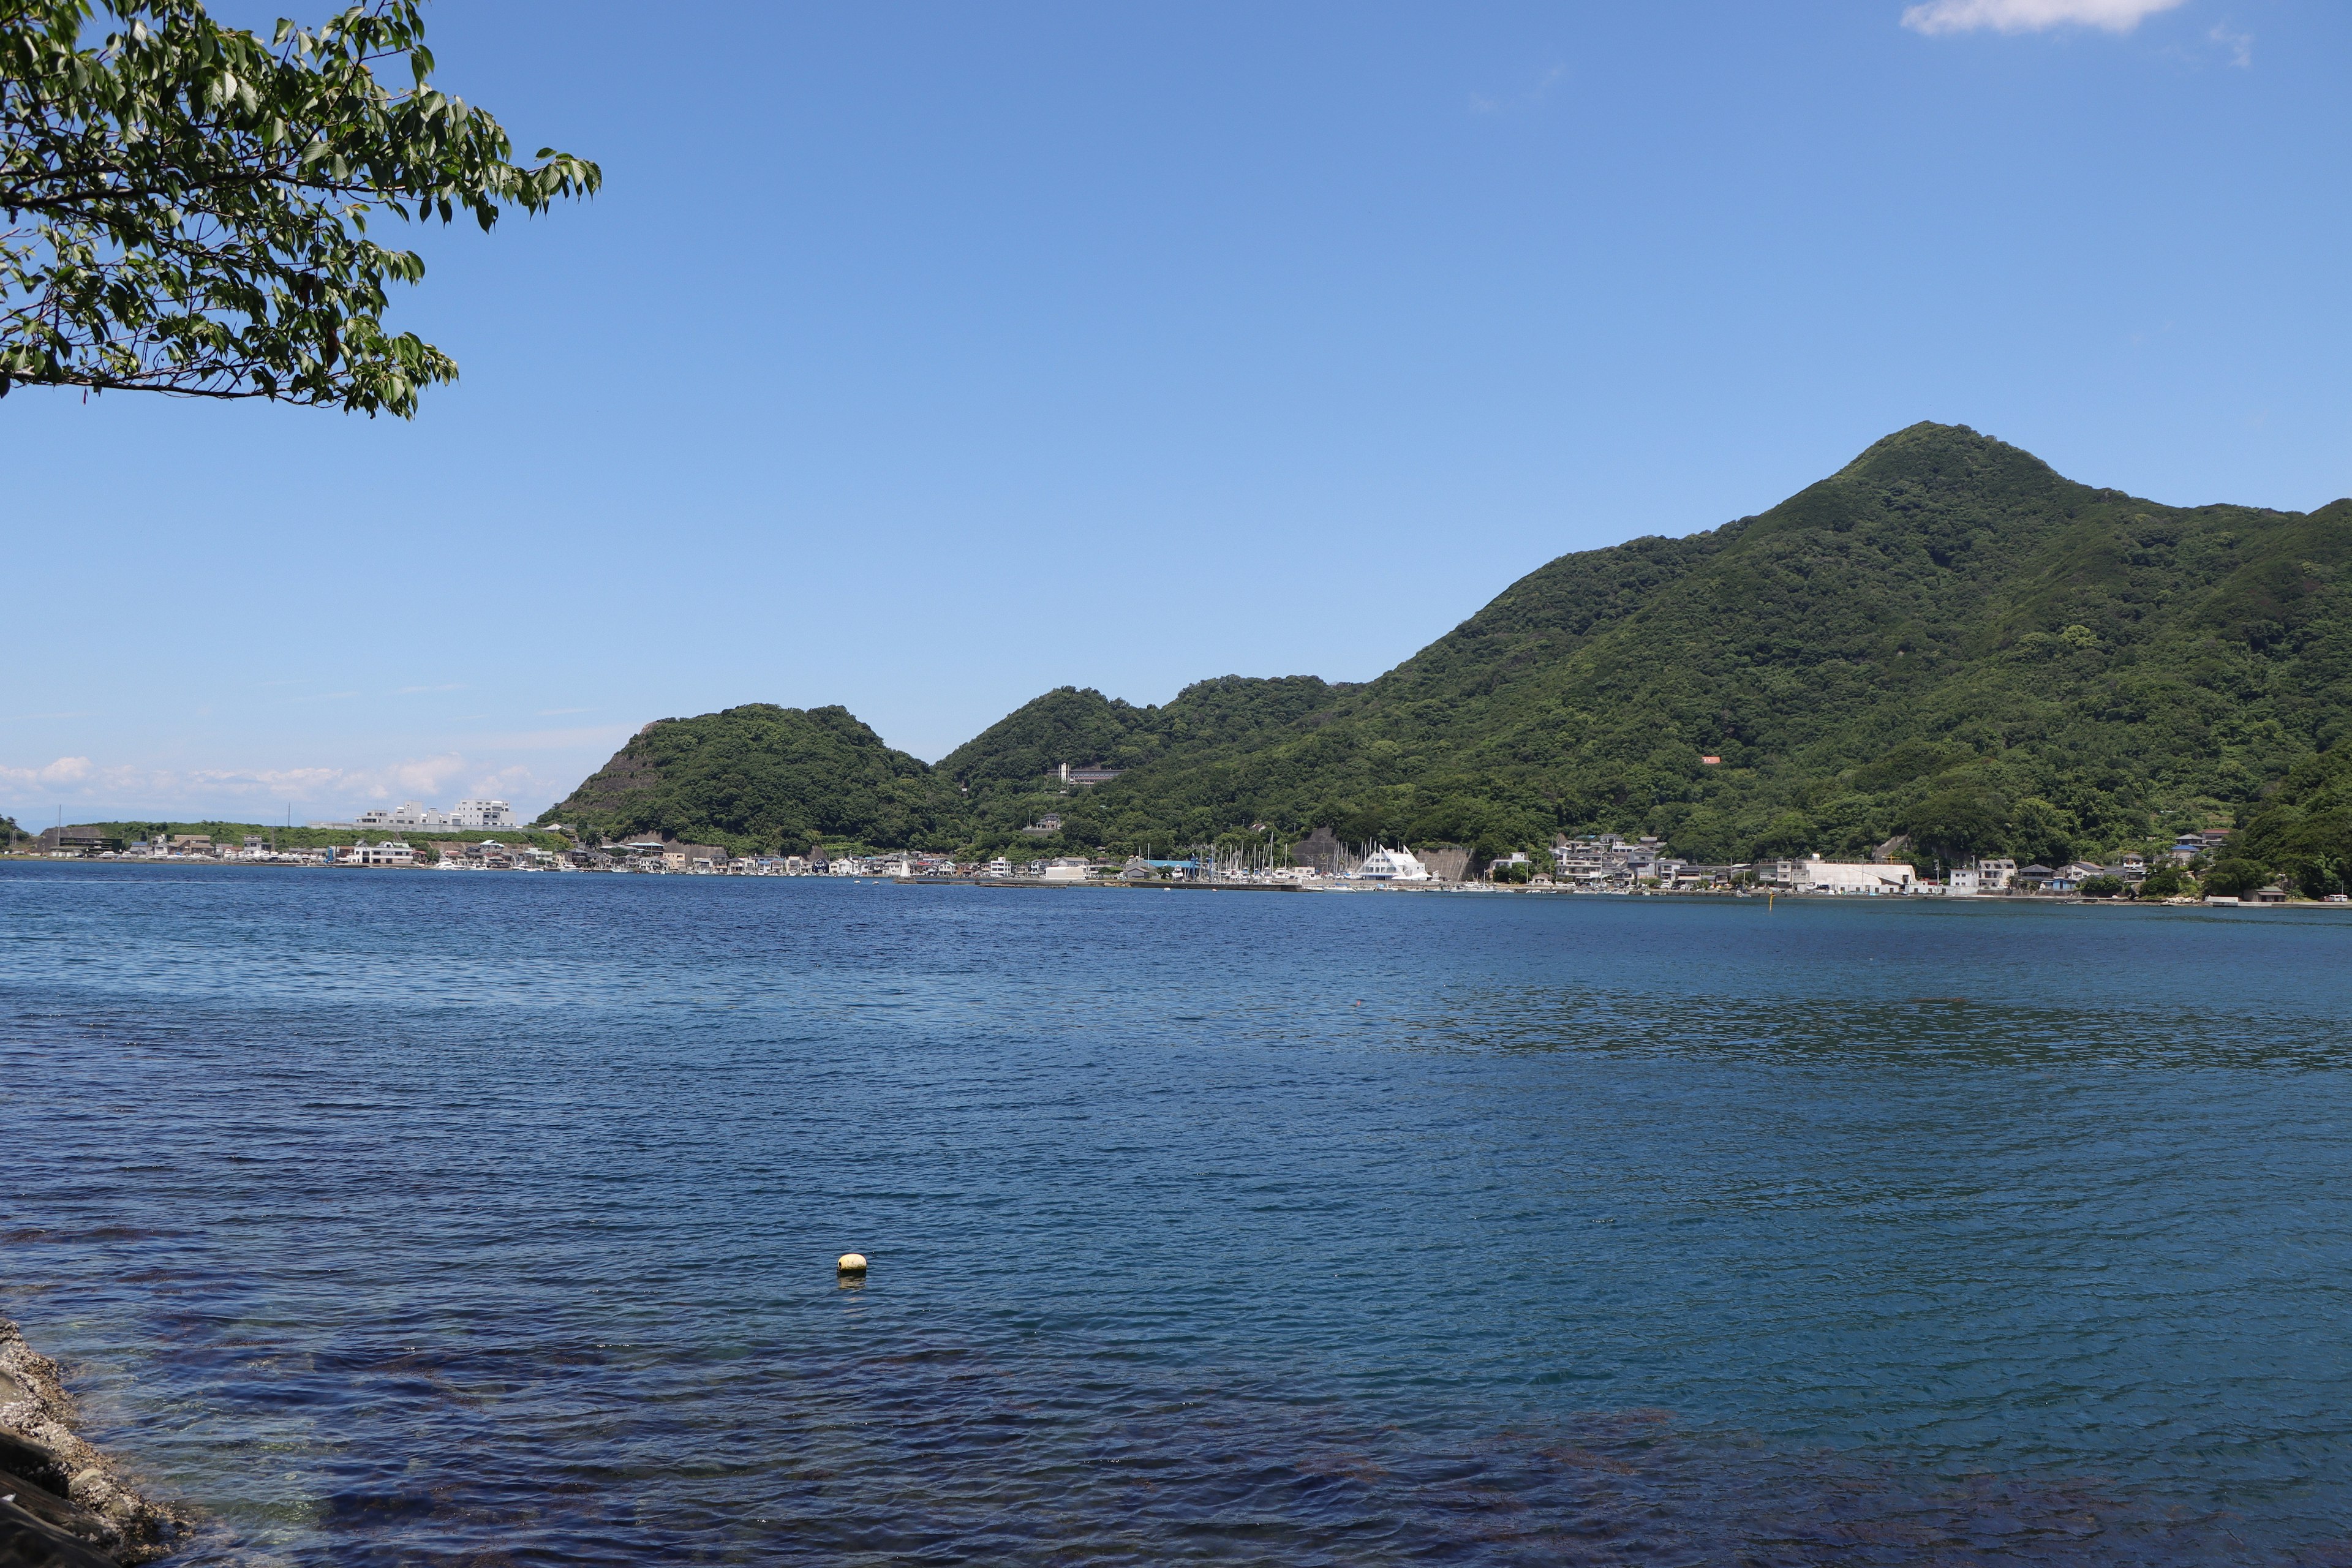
(1602, 863)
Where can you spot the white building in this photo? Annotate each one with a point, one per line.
(1391, 865)
(408, 813)
(1848, 876)
(483, 813)
(1965, 882)
(391, 852)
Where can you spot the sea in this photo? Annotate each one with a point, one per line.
(406, 1218)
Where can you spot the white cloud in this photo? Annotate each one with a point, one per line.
(193, 793)
(2240, 45)
(2031, 15)
(64, 771)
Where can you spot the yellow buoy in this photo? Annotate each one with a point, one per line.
(852, 1263)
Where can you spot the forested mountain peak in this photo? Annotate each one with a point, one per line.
(1944, 638)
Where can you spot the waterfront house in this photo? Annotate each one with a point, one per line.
(1995, 876)
(1394, 866)
(388, 852)
(2035, 878)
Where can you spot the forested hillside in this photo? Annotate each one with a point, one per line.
(762, 778)
(1944, 639)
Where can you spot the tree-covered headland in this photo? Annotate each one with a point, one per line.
(1945, 642)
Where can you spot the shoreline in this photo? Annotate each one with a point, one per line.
(62, 1501)
(2017, 901)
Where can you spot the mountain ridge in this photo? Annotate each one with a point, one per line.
(1945, 638)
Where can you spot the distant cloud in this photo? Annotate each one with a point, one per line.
(64, 771)
(2240, 45)
(412, 691)
(1934, 16)
(315, 791)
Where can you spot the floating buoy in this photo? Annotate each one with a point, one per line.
(852, 1263)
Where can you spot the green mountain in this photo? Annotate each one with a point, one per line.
(1946, 639)
(761, 777)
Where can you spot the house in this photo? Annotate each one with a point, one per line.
(2273, 894)
(2074, 874)
(1964, 883)
(1044, 826)
(1995, 876)
(2035, 878)
(1394, 866)
(389, 852)
(2134, 867)
(1067, 869)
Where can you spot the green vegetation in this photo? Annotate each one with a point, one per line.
(1946, 641)
(2303, 834)
(763, 779)
(187, 202)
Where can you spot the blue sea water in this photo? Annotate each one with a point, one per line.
(433, 1219)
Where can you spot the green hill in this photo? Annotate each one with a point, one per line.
(761, 777)
(1946, 639)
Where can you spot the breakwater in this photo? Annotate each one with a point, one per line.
(62, 1502)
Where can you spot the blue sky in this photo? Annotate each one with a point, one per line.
(922, 358)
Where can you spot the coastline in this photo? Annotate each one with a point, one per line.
(62, 1501)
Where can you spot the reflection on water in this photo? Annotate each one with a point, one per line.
(491, 1220)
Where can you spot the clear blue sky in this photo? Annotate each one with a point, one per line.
(920, 358)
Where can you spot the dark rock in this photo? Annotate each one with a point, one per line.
(36, 1462)
(63, 1516)
(26, 1542)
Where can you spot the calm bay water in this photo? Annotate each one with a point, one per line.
(435, 1219)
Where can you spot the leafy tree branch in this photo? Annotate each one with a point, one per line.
(186, 204)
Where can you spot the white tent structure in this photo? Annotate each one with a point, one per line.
(1391, 865)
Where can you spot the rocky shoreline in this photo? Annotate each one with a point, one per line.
(63, 1504)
